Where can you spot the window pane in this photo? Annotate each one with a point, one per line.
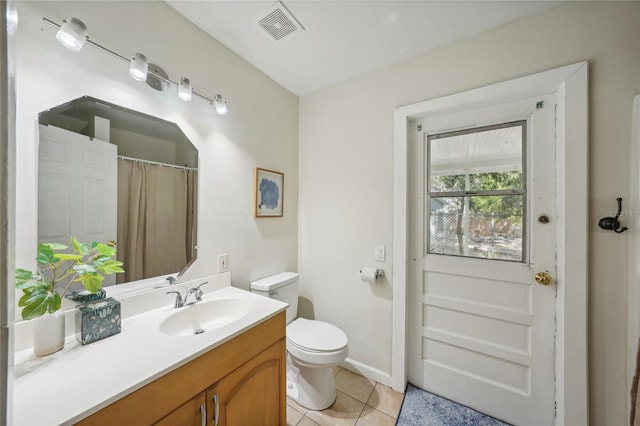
(491, 158)
(448, 183)
(487, 226)
(495, 181)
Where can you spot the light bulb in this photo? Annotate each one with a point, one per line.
(220, 105)
(72, 34)
(139, 67)
(185, 90)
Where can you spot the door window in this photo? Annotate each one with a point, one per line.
(476, 192)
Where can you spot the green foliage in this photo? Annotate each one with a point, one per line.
(507, 205)
(447, 183)
(496, 181)
(510, 205)
(86, 264)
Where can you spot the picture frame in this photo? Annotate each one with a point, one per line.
(268, 193)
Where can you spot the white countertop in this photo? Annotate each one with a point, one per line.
(69, 385)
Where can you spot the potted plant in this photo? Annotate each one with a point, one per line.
(42, 298)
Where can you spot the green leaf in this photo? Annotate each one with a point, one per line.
(23, 299)
(33, 297)
(55, 246)
(30, 285)
(55, 303)
(66, 256)
(45, 254)
(101, 260)
(33, 311)
(38, 304)
(75, 243)
(27, 281)
(92, 282)
(84, 269)
(22, 277)
(35, 306)
(79, 247)
(105, 250)
(23, 274)
(110, 267)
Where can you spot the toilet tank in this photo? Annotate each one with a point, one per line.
(283, 287)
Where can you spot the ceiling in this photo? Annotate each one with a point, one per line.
(483, 150)
(343, 39)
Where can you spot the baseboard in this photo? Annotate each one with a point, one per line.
(367, 371)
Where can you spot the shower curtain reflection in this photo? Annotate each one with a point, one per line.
(156, 203)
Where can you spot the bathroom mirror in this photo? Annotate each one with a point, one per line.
(106, 172)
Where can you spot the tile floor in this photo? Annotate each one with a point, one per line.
(359, 402)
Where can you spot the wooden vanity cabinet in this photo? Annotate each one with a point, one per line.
(246, 376)
(191, 413)
(250, 394)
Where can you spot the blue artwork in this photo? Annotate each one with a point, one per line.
(269, 194)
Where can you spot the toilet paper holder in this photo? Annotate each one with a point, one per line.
(379, 272)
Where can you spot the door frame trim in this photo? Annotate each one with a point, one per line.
(570, 85)
(633, 328)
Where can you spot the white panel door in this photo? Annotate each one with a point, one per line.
(77, 188)
(481, 329)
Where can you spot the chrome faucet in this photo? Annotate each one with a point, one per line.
(197, 293)
(180, 301)
(171, 280)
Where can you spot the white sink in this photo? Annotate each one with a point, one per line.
(204, 316)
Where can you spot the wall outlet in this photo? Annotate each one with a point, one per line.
(223, 262)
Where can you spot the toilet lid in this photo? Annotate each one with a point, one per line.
(316, 335)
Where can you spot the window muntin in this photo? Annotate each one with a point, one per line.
(476, 192)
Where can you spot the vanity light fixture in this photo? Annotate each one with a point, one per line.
(220, 105)
(184, 89)
(72, 34)
(139, 67)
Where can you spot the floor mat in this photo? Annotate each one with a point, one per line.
(421, 408)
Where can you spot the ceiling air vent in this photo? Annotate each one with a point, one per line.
(280, 23)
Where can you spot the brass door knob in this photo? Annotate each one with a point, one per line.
(543, 278)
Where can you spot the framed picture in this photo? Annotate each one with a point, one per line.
(269, 193)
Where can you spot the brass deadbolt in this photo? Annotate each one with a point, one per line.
(543, 278)
(543, 219)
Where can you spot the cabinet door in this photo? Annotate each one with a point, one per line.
(192, 413)
(253, 394)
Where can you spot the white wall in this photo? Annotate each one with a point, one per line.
(137, 145)
(7, 207)
(346, 160)
(259, 131)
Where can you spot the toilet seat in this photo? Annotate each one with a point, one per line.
(316, 336)
(316, 342)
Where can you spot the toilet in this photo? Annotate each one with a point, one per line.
(313, 347)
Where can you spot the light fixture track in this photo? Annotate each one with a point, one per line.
(211, 101)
